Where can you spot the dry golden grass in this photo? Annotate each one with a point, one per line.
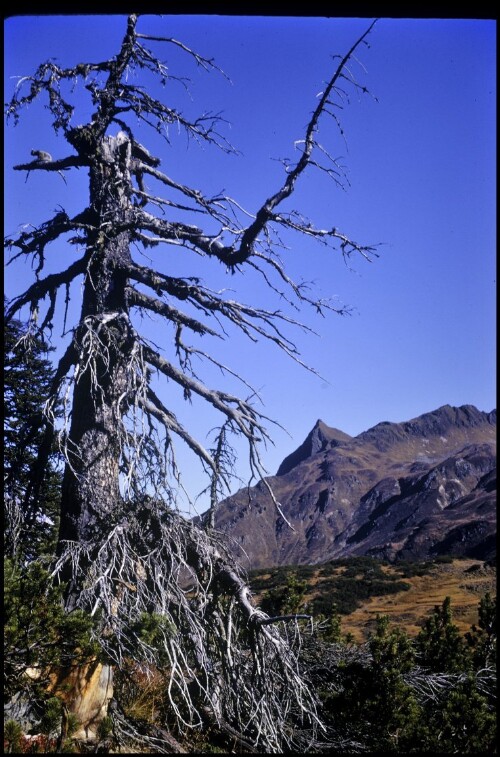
(408, 609)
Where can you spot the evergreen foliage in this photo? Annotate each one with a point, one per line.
(38, 633)
(342, 592)
(482, 639)
(378, 698)
(462, 721)
(31, 521)
(285, 599)
(12, 736)
(439, 644)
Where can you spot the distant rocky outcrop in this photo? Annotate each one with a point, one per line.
(409, 490)
(321, 437)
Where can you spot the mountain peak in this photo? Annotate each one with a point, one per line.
(319, 438)
(408, 490)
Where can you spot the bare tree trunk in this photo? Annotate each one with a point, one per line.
(91, 492)
(91, 499)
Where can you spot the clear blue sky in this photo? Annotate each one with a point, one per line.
(421, 163)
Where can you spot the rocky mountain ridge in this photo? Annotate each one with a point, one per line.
(410, 490)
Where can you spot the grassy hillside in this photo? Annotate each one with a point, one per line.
(360, 588)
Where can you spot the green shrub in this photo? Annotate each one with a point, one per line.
(37, 630)
(12, 733)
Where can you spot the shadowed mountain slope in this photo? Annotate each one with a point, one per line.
(408, 490)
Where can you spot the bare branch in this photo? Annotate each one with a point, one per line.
(34, 242)
(154, 406)
(206, 63)
(283, 619)
(42, 287)
(265, 212)
(72, 161)
(243, 415)
(245, 671)
(210, 206)
(140, 300)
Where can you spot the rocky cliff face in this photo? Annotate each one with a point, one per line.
(320, 438)
(408, 490)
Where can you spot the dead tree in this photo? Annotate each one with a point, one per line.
(124, 552)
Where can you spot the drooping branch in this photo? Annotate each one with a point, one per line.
(348, 246)
(298, 290)
(208, 64)
(184, 353)
(226, 658)
(176, 233)
(42, 287)
(240, 412)
(212, 206)
(141, 300)
(245, 317)
(34, 242)
(155, 407)
(154, 113)
(242, 419)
